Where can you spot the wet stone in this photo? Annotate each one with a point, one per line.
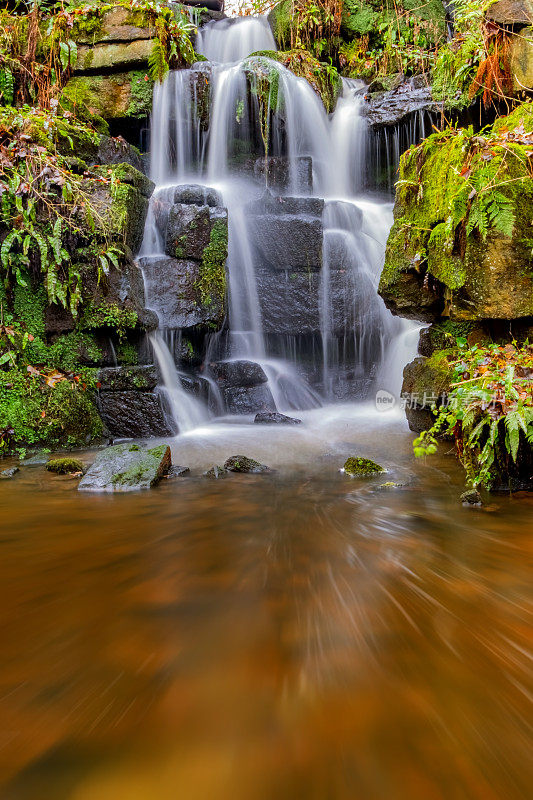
(127, 468)
(248, 399)
(245, 464)
(6, 474)
(471, 498)
(177, 472)
(361, 467)
(238, 373)
(65, 466)
(216, 472)
(275, 418)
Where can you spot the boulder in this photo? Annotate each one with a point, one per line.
(215, 472)
(390, 108)
(117, 57)
(197, 195)
(425, 383)
(116, 150)
(189, 229)
(126, 468)
(248, 399)
(238, 373)
(511, 12)
(471, 498)
(135, 415)
(245, 464)
(65, 466)
(177, 472)
(116, 96)
(358, 467)
(286, 233)
(522, 59)
(274, 418)
(123, 379)
(275, 172)
(173, 287)
(118, 24)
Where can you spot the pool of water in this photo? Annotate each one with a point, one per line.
(295, 635)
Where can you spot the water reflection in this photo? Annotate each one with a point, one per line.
(295, 635)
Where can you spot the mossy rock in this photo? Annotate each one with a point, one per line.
(358, 467)
(245, 464)
(65, 466)
(438, 262)
(124, 95)
(127, 468)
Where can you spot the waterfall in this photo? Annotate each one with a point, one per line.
(206, 132)
(234, 39)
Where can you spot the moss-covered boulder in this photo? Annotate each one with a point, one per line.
(426, 382)
(323, 78)
(65, 466)
(358, 467)
(461, 242)
(123, 95)
(127, 468)
(245, 464)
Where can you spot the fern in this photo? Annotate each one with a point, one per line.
(157, 62)
(7, 86)
(500, 213)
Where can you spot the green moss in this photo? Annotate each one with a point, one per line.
(143, 469)
(280, 20)
(64, 415)
(141, 94)
(211, 282)
(127, 354)
(361, 467)
(29, 305)
(109, 315)
(65, 466)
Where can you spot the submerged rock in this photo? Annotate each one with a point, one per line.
(40, 459)
(471, 498)
(177, 472)
(127, 468)
(216, 472)
(360, 467)
(274, 418)
(245, 464)
(65, 466)
(6, 474)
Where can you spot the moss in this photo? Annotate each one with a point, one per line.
(64, 415)
(361, 467)
(144, 468)
(29, 305)
(323, 78)
(280, 21)
(109, 315)
(127, 354)
(65, 466)
(211, 282)
(141, 94)
(430, 234)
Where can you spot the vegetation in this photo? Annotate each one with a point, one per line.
(489, 412)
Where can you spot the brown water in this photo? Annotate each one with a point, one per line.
(299, 635)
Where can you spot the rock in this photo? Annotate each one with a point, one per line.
(425, 382)
(189, 230)
(135, 415)
(389, 108)
(40, 459)
(361, 467)
(122, 379)
(197, 195)
(126, 468)
(118, 57)
(116, 96)
(177, 472)
(238, 373)
(248, 399)
(123, 208)
(287, 233)
(116, 25)
(125, 173)
(511, 12)
(276, 173)
(522, 59)
(216, 472)
(6, 474)
(118, 151)
(273, 418)
(172, 285)
(471, 498)
(65, 466)
(245, 464)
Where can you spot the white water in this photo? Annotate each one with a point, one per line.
(233, 40)
(362, 343)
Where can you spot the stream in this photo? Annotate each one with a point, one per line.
(300, 634)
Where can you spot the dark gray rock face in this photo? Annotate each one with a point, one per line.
(275, 173)
(274, 418)
(245, 464)
(197, 195)
(248, 399)
(388, 108)
(215, 472)
(134, 414)
(123, 379)
(286, 232)
(126, 468)
(177, 472)
(189, 230)
(238, 373)
(172, 286)
(119, 151)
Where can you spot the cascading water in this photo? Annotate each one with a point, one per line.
(208, 126)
